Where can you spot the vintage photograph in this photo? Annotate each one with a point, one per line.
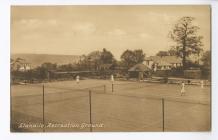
(110, 68)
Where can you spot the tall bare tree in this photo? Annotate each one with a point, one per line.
(187, 41)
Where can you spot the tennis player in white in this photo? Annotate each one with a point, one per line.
(112, 78)
(183, 88)
(77, 79)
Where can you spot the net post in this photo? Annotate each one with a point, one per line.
(90, 110)
(163, 115)
(43, 107)
(112, 87)
(104, 88)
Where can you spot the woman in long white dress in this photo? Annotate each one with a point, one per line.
(202, 84)
(183, 88)
(77, 79)
(112, 78)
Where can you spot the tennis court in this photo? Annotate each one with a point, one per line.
(121, 106)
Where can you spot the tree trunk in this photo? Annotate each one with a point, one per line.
(184, 62)
(184, 56)
(184, 49)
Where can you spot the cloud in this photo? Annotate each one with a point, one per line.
(117, 32)
(144, 35)
(33, 23)
(30, 23)
(53, 22)
(83, 28)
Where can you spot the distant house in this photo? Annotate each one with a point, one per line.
(24, 66)
(163, 63)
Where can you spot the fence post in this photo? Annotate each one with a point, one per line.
(90, 109)
(43, 107)
(163, 114)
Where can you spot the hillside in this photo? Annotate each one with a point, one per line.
(38, 59)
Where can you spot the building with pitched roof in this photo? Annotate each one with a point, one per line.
(139, 71)
(163, 63)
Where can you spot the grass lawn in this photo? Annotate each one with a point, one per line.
(132, 106)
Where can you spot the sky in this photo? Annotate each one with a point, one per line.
(77, 30)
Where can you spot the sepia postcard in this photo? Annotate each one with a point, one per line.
(110, 68)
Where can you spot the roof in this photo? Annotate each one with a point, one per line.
(164, 63)
(164, 60)
(139, 67)
(107, 66)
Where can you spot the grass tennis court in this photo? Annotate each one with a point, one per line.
(132, 106)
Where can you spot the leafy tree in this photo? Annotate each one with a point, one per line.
(67, 67)
(83, 63)
(186, 38)
(95, 59)
(130, 58)
(162, 53)
(43, 70)
(49, 66)
(41, 73)
(107, 57)
(139, 56)
(15, 65)
(206, 59)
(172, 52)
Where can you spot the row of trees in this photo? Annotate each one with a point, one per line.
(170, 52)
(91, 62)
(96, 59)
